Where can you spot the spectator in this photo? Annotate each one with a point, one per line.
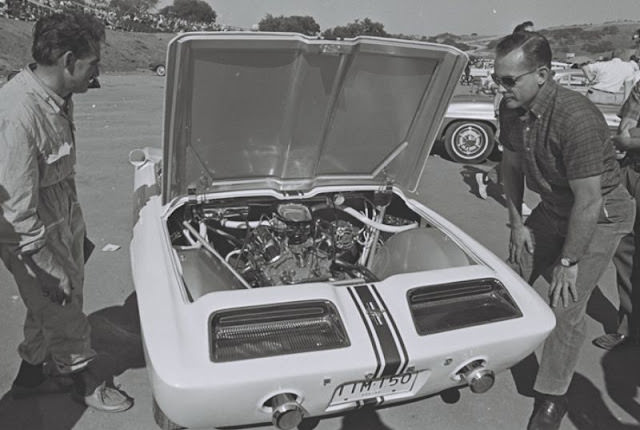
(557, 142)
(523, 26)
(627, 260)
(42, 232)
(607, 79)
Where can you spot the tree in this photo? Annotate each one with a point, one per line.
(125, 7)
(295, 24)
(190, 10)
(366, 27)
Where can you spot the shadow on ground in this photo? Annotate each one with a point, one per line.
(494, 189)
(622, 378)
(116, 338)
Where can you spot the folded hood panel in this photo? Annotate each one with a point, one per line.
(284, 111)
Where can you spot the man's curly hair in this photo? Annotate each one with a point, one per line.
(58, 33)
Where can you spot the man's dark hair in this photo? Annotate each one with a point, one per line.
(58, 33)
(535, 46)
(523, 26)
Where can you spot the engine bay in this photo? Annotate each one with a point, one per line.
(330, 237)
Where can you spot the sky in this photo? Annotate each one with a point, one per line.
(430, 17)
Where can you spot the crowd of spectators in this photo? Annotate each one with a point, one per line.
(31, 10)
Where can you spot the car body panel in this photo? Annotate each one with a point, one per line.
(379, 244)
(176, 338)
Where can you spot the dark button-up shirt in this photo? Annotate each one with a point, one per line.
(631, 107)
(631, 110)
(563, 136)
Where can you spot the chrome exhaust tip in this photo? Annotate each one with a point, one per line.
(287, 412)
(479, 378)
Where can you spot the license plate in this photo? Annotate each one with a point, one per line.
(368, 389)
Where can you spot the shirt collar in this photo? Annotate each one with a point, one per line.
(544, 99)
(54, 100)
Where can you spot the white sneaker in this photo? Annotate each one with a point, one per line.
(526, 211)
(108, 399)
(482, 184)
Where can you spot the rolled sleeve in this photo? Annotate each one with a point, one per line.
(20, 225)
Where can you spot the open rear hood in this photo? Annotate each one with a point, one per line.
(289, 112)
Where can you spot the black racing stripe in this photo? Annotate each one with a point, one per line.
(364, 320)
(392, 358)
(395, 328)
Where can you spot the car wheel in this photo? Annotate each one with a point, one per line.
(468, 141)
(162, 420)
(161, 70)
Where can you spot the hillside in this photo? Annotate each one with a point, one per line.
(127, 52)
(123, 52)
(585, 40)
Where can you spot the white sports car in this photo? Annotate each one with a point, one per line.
(282, 264)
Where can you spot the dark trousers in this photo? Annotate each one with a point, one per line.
(627, 263)
(562, 348)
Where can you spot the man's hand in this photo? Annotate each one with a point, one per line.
(563, 284)
(50, 275)
(519, 242)
(57, 290)
(622, 141)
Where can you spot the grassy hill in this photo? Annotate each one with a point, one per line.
(127, 52)
(590, 40)
(123, 52)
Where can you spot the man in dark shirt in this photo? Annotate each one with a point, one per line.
(626, 259)
(557, 140)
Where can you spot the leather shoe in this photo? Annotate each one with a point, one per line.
(548, 413)
(612, 341)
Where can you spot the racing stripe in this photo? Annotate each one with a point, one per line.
(375, 315)
(367, 324)
(404, 360)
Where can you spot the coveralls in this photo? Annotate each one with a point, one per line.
(39, 208)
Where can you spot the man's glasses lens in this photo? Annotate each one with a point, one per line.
(505, 81)
(509, 81)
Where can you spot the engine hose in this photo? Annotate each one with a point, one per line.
(231, 238)
(243, 224)
(378, 225)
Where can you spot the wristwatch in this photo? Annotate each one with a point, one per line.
(567, 262)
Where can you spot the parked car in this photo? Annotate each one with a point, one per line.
(468, 130)
(572, 78)
(158, 68)
(282, 264)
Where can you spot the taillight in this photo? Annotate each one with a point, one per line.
(439, 308)
(263, 331)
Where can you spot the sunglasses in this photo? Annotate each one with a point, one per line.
(509, 82)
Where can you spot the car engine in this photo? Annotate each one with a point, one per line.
(267, 241)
